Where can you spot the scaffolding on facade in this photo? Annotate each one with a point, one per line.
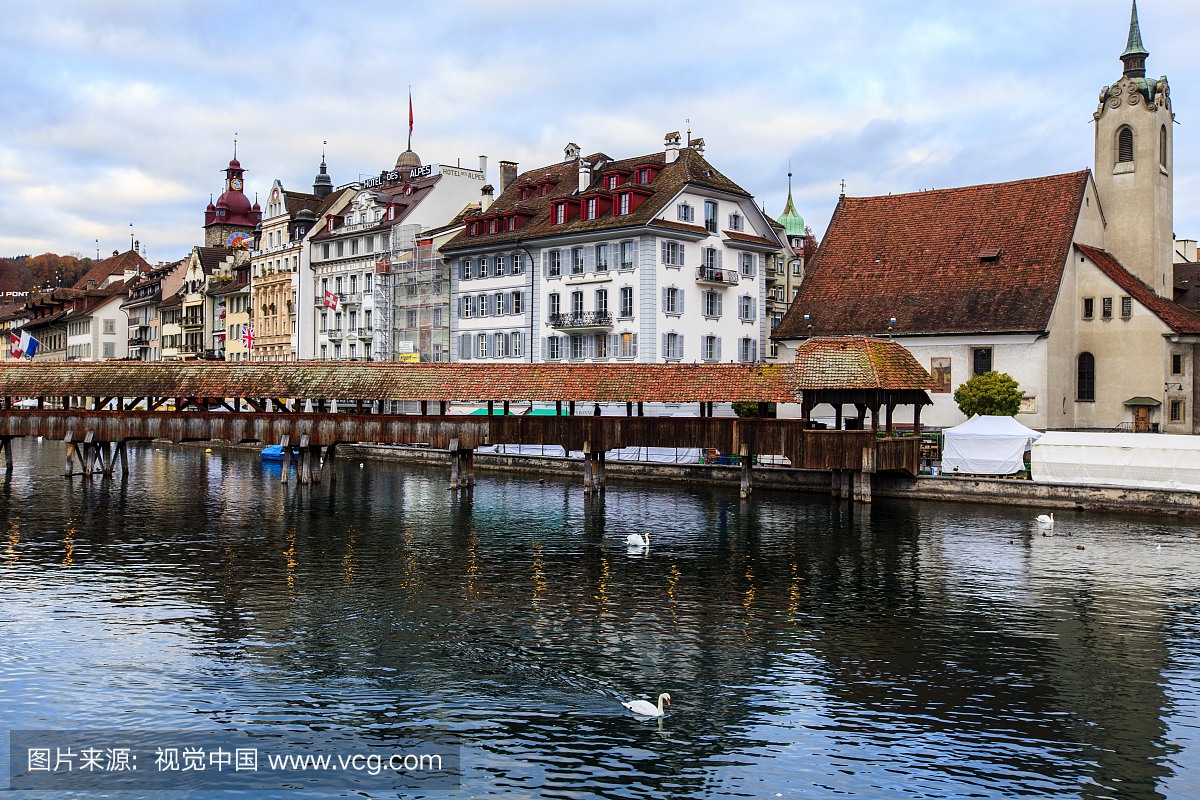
(416, 299)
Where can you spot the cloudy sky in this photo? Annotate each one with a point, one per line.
(119, 112)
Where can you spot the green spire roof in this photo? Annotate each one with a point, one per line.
(792, 222)
(1135, 46)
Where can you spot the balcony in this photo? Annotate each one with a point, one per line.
(719, 277)
(334, 333)
(365, 333)
(584, 320)
(352, 298)
(192, 322)
(138, 341)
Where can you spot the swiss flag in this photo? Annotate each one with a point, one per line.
(331, 300)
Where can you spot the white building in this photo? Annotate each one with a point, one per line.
(656, 258)
(352, 257)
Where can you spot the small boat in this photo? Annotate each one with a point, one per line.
(272, 453)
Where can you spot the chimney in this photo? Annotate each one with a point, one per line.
(91, 284)
(671, 143)
(570, 152)
(698, 146)
(485, 200)
(508, 174)
(483, 166)
(585, 175)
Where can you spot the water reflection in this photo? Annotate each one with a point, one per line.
(807, 644)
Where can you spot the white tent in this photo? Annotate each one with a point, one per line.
(986, 446)
(1136, 460)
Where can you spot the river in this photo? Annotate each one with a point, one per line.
(810, 648)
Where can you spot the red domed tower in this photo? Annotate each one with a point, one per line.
(231, 221)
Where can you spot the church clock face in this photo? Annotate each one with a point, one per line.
(235, 184)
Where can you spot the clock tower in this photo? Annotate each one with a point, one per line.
(230, 222)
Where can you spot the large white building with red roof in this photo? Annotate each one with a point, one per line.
(1062, 282)
(651, 259)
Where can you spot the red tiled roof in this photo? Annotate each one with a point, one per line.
(917, 257)
(116, 265)
(857, 362)
(668, 383)
(1180, 319)
(689, 168)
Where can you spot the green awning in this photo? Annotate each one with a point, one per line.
(1142, 401)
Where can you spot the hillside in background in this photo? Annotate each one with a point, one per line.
(25, 273)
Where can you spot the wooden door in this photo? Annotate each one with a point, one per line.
(1141, 419)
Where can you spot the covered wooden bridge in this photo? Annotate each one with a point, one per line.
(310, 407)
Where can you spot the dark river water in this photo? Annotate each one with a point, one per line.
(810, 649)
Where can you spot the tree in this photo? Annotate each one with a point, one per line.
(990, 394)
(810, 246)
(745, 410)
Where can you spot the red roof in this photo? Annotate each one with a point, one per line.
(116, 265)
(927, 260)
(857, 362)
(1174, 315)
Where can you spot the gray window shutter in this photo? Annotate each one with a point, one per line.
(464, 347)
(679, 301)
(718, 354)
(753, 308)
(664, 253)
(679, 346)
(720, 302)
(635, 345)
(613, 344)
(589, 259)
(717, 253)
(546, 263)
(591, 347)
(753, 350)
(545, 349)
(682, 255)
(664, 299)
(664, 346)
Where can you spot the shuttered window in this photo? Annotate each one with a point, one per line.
(1125, 146)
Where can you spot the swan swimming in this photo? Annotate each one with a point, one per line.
(643, 709)
(636, 540)
(1045, 521)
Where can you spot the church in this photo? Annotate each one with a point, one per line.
(1063, 282)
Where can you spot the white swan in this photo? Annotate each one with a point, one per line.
(636, 540)
(1044, 521)
(643, 709)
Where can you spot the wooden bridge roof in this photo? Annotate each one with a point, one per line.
(852, 364)
(666, 383)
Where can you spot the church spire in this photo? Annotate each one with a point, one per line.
(1135, 52)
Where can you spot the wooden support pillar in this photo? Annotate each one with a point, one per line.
(598, 477)
(41, 403)
(424, 408)
(835, 482)
(641, 411)
(89, 454)
(763, 410)
(123, 450)
(837, 417)
(70, 466)
(470, 458)
(108, 456)
(917, 419)
(304, 471)
(587, 468)
(629, 409)
(747, 463)
(8, 458)
(327, 470)
(571, 407)
(506, 413)
(442, 408)
(702, 414)
(891, 408)
(491, 407)
(558, 408)
(286, 460)
(875, 419)
(596, 410)
(454, 464)
(862, 486)
(862, 416)
(710, 408)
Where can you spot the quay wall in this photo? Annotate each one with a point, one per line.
(925, 487)
(1047, 496)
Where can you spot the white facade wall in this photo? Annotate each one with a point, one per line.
(657, 301)
(104, 334)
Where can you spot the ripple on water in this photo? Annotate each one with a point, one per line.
(907, 649)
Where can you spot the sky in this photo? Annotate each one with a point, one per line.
(120, 111)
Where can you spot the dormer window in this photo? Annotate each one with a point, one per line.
(643, 176)
(591, 208)
(331, 224)
(735, 222)
(614, 181)
(623, 205)
(543, 190)
(512, 223)
(560, 213)
(492, 226)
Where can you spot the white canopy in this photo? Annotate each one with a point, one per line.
(1137, 460)
(986, 446)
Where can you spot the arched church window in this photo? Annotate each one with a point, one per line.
(1085, 380)
(1125, 145)
(1162, 145)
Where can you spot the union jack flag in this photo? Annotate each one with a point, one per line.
(248, 338)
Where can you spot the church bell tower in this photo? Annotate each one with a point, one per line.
(1133, 167)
